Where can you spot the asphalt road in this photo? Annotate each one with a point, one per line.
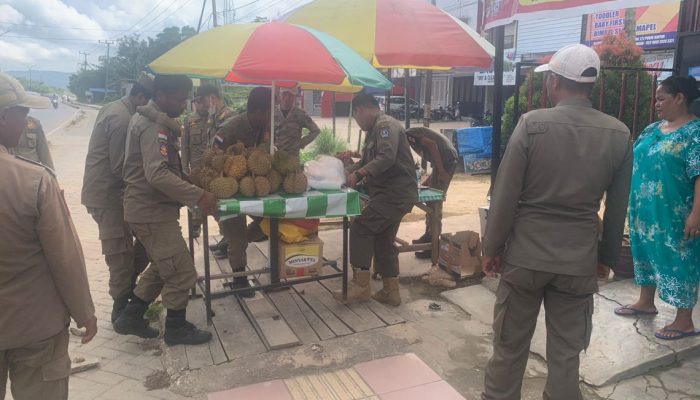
(53, 118)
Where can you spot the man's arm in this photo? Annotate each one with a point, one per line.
(63, 252)
(116, 128)
(42, 147)
(507, 190)
(385, 156)
(155, 166)
(616, 202)
(435, 156)
(314, 131)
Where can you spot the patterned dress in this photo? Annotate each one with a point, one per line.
(665, 167)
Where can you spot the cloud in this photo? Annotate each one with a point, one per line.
(27, 53)
(10, 15)
(55, 14)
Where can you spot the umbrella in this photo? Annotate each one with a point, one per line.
(398, 33)
(272, 53)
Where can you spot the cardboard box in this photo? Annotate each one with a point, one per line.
(301, 259)
(483, 216)
(460, 254)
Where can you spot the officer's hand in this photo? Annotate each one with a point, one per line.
(208, 203)
(351, 180)
(491, 265)
(90, 330)
(603, 272)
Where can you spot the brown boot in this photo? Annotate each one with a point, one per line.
(389, 293)
(358, 287)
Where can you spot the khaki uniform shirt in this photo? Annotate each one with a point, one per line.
(447, 151)
(387, 163)
(43, 281)
(558, 165)
(103, 184)
(288, 130)
(238, 129)
(33, 144)
(198, 135)
(155, 189)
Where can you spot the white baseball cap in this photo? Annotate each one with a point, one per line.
(571, 61)
(292, 90)
(12, 94)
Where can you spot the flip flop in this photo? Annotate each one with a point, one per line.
(681, 334)
(628, 311)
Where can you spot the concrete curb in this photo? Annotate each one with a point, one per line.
(65, 123)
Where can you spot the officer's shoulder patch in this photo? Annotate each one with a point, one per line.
(37, 163)
(162, 136)
(384, 133)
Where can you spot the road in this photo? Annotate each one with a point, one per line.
(53, 118)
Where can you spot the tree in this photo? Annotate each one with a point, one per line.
(614, 51)
(80, 83)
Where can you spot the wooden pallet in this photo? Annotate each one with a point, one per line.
(302, 314)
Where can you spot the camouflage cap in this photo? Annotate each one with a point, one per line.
(146, 81)
(12, 94)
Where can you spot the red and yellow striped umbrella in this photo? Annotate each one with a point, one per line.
(398, 33)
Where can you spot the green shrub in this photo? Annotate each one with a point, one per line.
(325, 143)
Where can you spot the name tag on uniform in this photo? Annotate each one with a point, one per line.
(384, 133)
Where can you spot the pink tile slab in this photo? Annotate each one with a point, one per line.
(273, 390)
(395, 373)
(435, 390)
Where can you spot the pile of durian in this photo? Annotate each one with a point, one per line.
(249, 171)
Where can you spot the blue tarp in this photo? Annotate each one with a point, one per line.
(475, 141)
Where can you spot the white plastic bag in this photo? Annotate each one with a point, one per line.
(325, 172)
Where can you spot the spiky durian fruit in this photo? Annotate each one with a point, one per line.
(236, 149)
(275, 179)
(209, 156)
(262, 186)
(236, 167)
(223, 187)
(295, 182)
(284, 163)
(259, 162)
(247, 186)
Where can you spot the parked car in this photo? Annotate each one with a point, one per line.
(397, 107)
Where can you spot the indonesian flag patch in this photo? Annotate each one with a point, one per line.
(219, 140)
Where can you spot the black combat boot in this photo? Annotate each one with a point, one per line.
(131, 321)
(221, 252)
(426, 238)
(242, 283)
(179, 331)
(119, 306)
(215, 247)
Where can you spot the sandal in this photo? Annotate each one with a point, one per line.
(677, 334)
(628, 311)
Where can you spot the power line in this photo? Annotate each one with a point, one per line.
(108, 43)
(84, 54)
(148, 13)
(49, 38)
(169, 15)
(64, 27)
(154, 20)
(259, 10)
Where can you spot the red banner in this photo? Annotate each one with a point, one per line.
(502, 12)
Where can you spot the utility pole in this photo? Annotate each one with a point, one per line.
(84, 54)
(213, 12)
(108, 43)
(201, 14)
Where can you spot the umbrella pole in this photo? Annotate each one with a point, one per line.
(333, 112)
(272, 120)
(350, 120)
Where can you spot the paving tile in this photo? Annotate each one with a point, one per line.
(273, 390)
(435, 390)
(395, 373)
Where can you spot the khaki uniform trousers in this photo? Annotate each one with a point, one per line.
(125, 257)
(443, 186)
(171, 273)
(568, 305)
(37, 371)
(372, 236)
(235, 233)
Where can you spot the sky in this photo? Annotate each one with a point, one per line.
(50, 34)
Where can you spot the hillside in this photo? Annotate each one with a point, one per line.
(51, 78)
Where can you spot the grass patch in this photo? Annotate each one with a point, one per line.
(326, 144)
(154, 311)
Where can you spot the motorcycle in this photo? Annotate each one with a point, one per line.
(54, 102)
(437, 114)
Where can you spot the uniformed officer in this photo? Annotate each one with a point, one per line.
(442, 156)
(155, 190)
(251, 129)
(388, 170)
(43, 281)
(103, 193)
(33, 144)
(200, 127)
(289, 122)
(542, 229)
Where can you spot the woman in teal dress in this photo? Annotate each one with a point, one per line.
(664, 216)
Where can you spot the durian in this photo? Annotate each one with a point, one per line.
(259, 162)
(218, 162)
(223, 187)
(209, 156)
(262, 186)
(247, 186)
(275, 179)
(236, 149)
(236, 167)
(284, 163)
(295, 182)
(206, 174)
